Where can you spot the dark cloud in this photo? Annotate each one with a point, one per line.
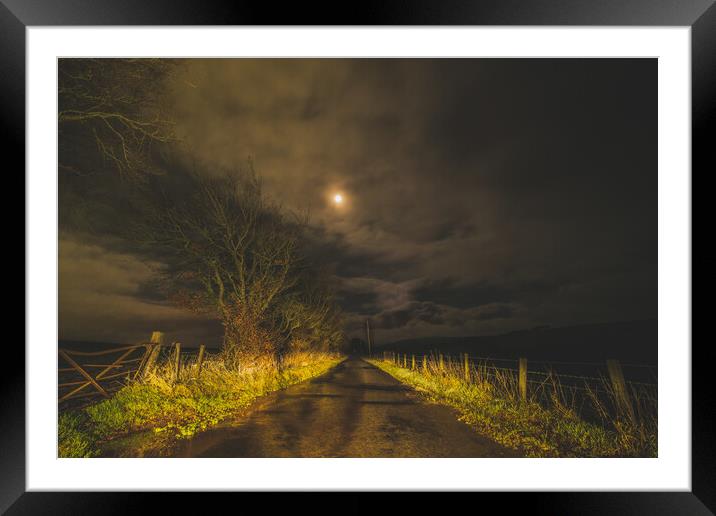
(394, 319)
(106, 296)
(358, 302)
(482, 195)
(419, 313)
(496, 312)
(412, 313)
(449, 292)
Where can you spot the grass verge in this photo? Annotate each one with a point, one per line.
(179, 409)
(491, 405)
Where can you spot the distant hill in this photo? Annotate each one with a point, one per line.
(634, 341)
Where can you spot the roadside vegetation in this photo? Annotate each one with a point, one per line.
(548, 424)
(175, 409)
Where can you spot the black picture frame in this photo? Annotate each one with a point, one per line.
(700, 15)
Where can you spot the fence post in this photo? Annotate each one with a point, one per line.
(425, 363)
(621, 393)
(177, 347)
(200, 360)
(155, 347)
(467, 368)
(405, 360)
(412, 365)
(442, 363)
(523, 379)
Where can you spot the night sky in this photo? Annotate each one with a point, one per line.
(481, 196)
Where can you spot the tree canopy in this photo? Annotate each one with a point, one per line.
(112, 113)
(232, 253)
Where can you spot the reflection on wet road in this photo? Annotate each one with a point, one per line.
(355, 410)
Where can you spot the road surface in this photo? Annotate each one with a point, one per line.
(354, 410)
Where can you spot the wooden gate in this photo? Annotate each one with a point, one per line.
(83, 375)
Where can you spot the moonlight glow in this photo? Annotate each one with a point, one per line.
(338, 199)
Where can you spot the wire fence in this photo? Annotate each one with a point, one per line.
(625, 386)
(644, 375)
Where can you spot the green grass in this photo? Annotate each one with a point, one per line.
(175, 410)
(491, 405)
(73, 440)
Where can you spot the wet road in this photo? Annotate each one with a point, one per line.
(354, 410)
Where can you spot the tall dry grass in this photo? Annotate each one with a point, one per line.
(556, 420)
(179, 406)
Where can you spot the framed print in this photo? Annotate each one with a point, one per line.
(441, 248)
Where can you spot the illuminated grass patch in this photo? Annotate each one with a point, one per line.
(181, 409)
(491, 405)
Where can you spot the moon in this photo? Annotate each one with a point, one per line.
(338, 199)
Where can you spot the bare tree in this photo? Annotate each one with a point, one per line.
(309, 315)
(231, 252)
(113, 109)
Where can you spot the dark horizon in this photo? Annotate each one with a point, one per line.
(378, 344)
(480, 196)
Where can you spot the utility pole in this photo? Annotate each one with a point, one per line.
(367, 333)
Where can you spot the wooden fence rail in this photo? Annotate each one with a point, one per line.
(79, 378)
(124, 365)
